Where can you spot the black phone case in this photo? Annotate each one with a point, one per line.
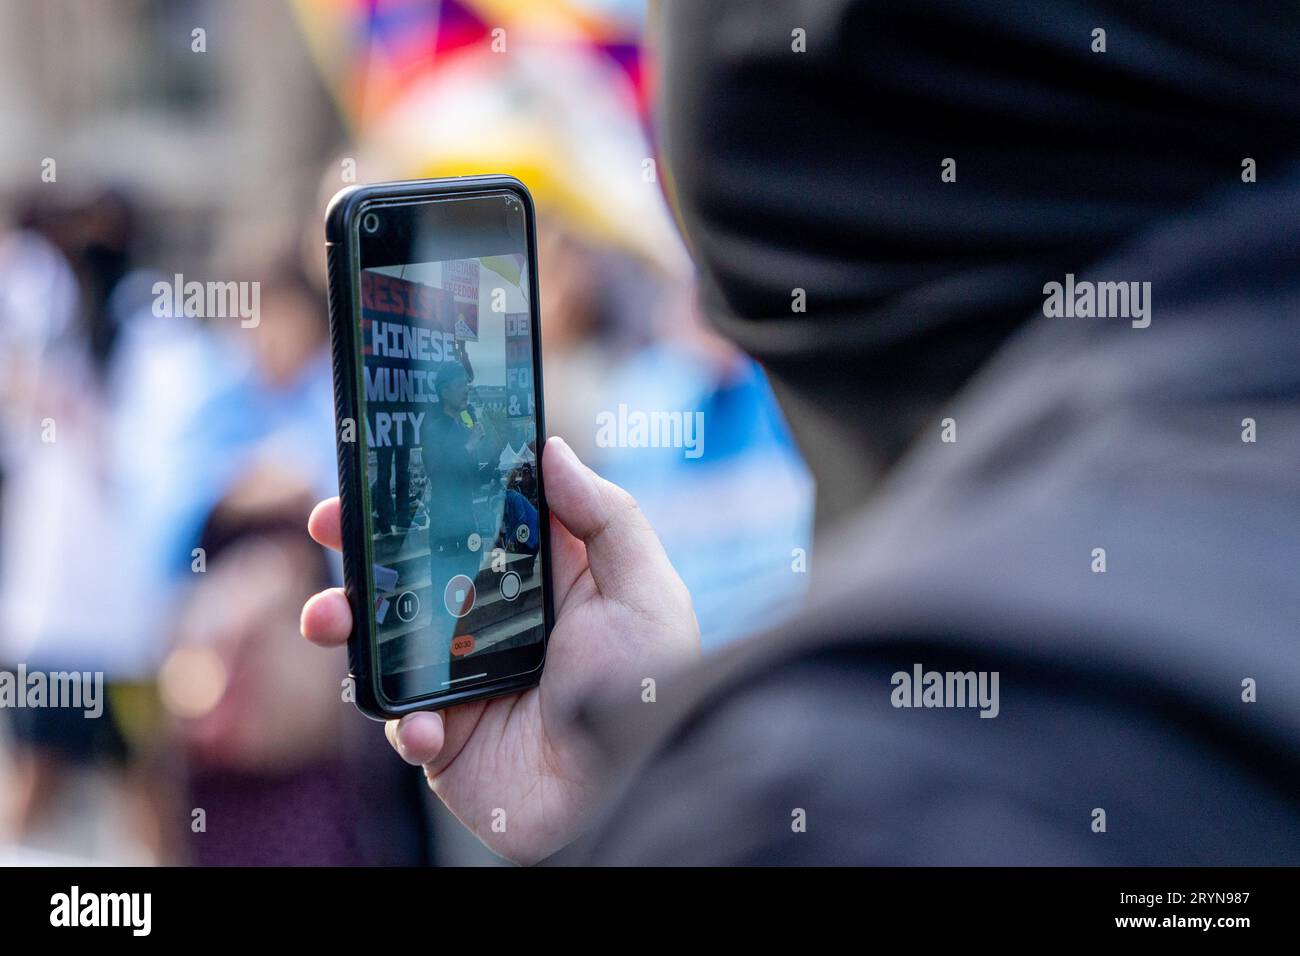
(341, 256)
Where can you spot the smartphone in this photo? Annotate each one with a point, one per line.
(438, 395)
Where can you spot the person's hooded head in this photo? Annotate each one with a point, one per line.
(876, 193)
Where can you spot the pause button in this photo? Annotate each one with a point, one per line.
(408, 605)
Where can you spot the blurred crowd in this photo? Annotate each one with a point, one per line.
(156, 469)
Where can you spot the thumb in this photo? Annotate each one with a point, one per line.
(626, 559)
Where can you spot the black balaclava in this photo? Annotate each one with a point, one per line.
(821, 171)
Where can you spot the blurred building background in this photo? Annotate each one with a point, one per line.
(156, 534)
(224, 146)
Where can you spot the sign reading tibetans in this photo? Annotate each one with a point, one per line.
(461, 279)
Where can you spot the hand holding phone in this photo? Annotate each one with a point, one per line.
(621, 615)
(433, 301)
(613, 610)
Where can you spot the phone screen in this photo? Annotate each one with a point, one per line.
(454, 507)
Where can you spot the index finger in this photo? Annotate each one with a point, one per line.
(323, 525)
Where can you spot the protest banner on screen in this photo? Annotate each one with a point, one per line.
(408, 331)
(460, 277)
(519, 365)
